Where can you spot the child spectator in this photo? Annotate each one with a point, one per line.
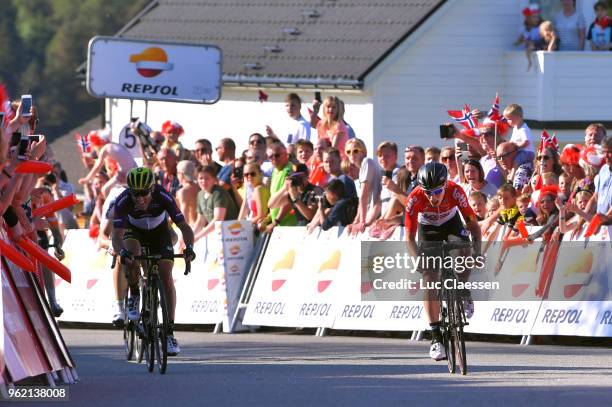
(530, 34)
(550, 40)
(432, 154)
(521, 136)
(600, 30)
(528, 215)
(478, 202)
(303, 151)
(572, 223)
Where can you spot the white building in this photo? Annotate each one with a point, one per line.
(398, 66)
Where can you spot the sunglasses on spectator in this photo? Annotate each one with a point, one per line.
(250, 174)
(502, 156)
(447, 158)
(274, 156)
(436, 191)
(353, 151)
(544, 157)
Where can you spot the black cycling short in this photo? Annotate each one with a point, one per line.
(431, 237)
(158, 240)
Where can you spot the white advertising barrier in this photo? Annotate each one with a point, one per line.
(202, 296)
(238, 241)
(356, 312)
(297, 284)
(580, 292)
(143, 70)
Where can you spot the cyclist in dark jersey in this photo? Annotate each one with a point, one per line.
(433, 208)
(141, 217)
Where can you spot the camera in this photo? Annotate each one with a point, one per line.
(238, 172)
(388, 174)
(295, 181)
(447, 131)
(323, 199)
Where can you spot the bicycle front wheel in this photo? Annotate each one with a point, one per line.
(161, 329)
(152, 323)
(129, 335)
(458, 323)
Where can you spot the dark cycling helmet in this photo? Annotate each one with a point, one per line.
(140, 179)
(432, 175)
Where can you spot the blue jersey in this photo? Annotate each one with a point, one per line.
(162, 205)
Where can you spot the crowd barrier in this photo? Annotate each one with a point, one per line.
(208, 295)
(315, 280)
(304, 281)
(32, 344)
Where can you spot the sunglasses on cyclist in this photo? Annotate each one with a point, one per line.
(436, 191)
(140, 193)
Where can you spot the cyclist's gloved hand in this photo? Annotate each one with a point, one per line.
(189, 253)
(59, 253)
(125, 256)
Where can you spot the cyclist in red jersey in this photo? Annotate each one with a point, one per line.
(432, 210)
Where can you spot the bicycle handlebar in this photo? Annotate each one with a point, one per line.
(156, 257)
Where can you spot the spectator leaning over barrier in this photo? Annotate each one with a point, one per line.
(387, 159)
(368, 185)
(599, 33)
(601, 202)
(255, 205)
(506, 154)
(432, 154)
(298, 128)
(299, 194)
(166, 176)
(570, 26)
(478, 202)
(203, 154)
(334, 208)
(214, 203)
(187, 195)
(594, 134)
(278, 156)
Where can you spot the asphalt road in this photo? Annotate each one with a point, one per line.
(271, 369)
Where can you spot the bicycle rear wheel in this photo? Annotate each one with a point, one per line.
(161, 329)
(458, 323)
(449, 343)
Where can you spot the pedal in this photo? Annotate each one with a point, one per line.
(119, 324)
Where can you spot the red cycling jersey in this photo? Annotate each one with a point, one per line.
(420, 210)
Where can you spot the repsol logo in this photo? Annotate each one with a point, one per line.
(406, 312)
(140, 88)
(315, 309)
(562, 316)
(270, 308)
(204, 306)
(358, 311)
(606, 318)
(515, 315)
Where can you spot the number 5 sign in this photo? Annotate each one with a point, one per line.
(128, 139)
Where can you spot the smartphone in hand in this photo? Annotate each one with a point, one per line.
(26, 105)
(22, 149)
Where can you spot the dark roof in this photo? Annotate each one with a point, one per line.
(339, 41)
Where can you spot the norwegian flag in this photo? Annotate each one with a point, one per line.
(83, 143)
(263, 96)
(494, 112)
(464, 117)
(548, 141)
